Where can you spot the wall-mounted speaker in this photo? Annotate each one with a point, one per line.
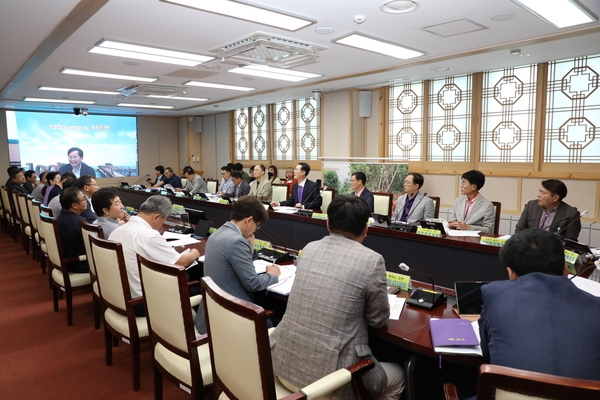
(364, 104)
(198, 124)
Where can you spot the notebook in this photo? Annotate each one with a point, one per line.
(454, 336)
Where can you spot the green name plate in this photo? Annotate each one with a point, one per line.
(212, 230)
(429, 232)
(179, 194)
(259, 244)
(178, 209)
(196, 197)
(491, 241)
(223, 201)
(319, 216)
(395, 279)
(571, 257)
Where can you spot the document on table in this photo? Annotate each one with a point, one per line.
(261, 266)
(586, 285)
(467, 350)
(286, 280)
(174, 235)
(396, 306)
(285, 209)
(183, 241)
(459, 233)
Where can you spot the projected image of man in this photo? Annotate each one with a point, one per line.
(76, 164)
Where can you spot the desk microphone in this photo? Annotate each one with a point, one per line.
(583, 213)
(141, 179)
(423, 298)
(586, 269)
(274, 256)
(310, 194)
(119, 183)
(187, 162)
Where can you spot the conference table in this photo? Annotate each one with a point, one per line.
(445, 260)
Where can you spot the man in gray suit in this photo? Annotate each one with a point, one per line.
(240, 186)
(413, 206)
(550, 212)
(472, 211)
(339, 291)
(228, 254)
(195, 184)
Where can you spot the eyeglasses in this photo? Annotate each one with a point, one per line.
(82, 200)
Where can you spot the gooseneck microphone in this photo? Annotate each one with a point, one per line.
(424, 298)
(141, 179)
(586, 269)
(310, 194)
(273, 255)
(559, 229)
(187, 162)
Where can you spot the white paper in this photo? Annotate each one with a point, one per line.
(285, 209)
(183, 242)
(461, 233)
(174, 235)
(286, 280)
(396, 306)
(261, 266)
(587, 285)
(467, 351)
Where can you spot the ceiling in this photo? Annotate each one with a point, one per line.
(39, 37)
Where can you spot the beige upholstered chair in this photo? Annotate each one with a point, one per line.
(280, 192)
(328, 195)
(86, 231)
(34, 229)
(436, 205)
(180, 352)
(212, 185)
(10, 214)
(241, 356)
(120, 322)
(503, 383)
(25, 221)
(61, 278)
(497, 211)
(383, 202)
(39, 237)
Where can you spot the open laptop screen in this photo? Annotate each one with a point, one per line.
(468, 296)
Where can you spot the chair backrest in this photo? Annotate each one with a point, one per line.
(51, 235)
(239, 345)
(212, 185)
(328, 195)
(497, 382)
(383, 202)
(36, 218)
(280, 192)
(46, 209)
(111, 273)
(23, 209)
(436, 205)
(167, 298)
(5, 199)
(497, 210)
(15, 203)
(183, 182)
(88, 230)
(31, 212)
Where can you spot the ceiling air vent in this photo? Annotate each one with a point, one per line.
(271, 50)
(151, 90)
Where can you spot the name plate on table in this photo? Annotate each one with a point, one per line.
(492, 241)
(147, 190)
(223, 201)
(178, 209)
(319, 216)
(259, 244)
(429, 232)
(571, 258)
(399, 280)
(179, 194)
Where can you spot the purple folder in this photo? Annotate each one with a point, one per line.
(452, 332)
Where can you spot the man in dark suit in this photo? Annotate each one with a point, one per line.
(550, 212)
(73, 203)
(241, 187)
(539, 320)
(76, 164)
(305, 193)
(30, 181)
(88, 185)
(172, 178)
(16, 180)
(161, 179)
(357, 184)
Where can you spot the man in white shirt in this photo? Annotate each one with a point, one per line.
(227, 187)
(140, 236)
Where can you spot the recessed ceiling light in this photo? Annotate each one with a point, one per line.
(41, 100)
(139, 52)
(502, 17)
(247, 12)
(55, 89)
(218, 86)
(558, 13)
(364, 42)
(144, 106)
(265, 71)
(131, 63)
(398, 6)
(178, 98)
(74, 71)
(440, 69)
(324, 30)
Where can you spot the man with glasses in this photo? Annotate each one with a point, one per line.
(413, 206)
(227, 187)
(357, 184)
(229, 253)
(88, 185)
(73, 203)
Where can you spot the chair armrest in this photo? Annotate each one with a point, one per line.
(327, 384)
(74, 259)
(269, 313)
(200, 340)
(82, 257)
(135, 301)
(195, 300)
(450, 392)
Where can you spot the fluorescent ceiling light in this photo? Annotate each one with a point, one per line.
(144, 106)
(219, 86)
(138, 52)
(361, 41)
(247, 12)
(74, 71)
(558, 13)
(69, 101)
(265, 71)
(177, 98)
(56, 89)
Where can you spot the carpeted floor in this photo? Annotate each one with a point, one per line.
(43, 358)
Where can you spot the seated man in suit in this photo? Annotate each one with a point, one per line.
(226, 187)
(261, 186)
(30, 181)
(550, 212)
(160, 179)
(76, 165)
(228, 258)
(109, 208)
(240, 186)
(88, 185)
(37, 191)
(172, 178)
(357, 184)
(413, 206)
(472, 211)
(305, 193)
(539, 320)
(195, 184)
(325, 326)
(16, 180)
(73, 203)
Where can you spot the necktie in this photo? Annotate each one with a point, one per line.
(237, 191)
(300, 194)
(545, 218)
(468, 208)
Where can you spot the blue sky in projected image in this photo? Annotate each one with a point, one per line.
(44, 138)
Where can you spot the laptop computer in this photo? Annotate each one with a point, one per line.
(437, 224)
(380, 220)
(201, 230)
(468, 298)
(195, 216)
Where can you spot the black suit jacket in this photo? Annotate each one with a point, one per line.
(311, 196)
(72, 239)
(367, 196)
(565, 215)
